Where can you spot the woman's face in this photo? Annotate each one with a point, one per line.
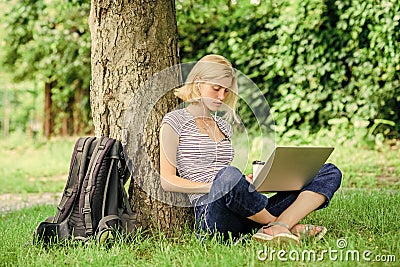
(212, 95)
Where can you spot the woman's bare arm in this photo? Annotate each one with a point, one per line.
(169, 141)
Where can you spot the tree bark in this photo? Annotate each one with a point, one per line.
(131, 42)
(48, 120)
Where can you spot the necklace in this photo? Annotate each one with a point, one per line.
(205, 125)
(210, 127)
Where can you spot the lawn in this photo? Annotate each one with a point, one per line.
(362, 230)
(34, 166)
(361, 220)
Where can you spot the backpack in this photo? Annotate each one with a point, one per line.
(94, 201)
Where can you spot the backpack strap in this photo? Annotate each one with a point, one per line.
(124, 175)
(98, 155)
(123, 167)
(114, 157)
(76, 172)
(122, 172)
(127, 205)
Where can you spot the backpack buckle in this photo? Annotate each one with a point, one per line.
(86, 210)
(68, 192)
(60, 208)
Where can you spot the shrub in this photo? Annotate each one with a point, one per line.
(318, 63)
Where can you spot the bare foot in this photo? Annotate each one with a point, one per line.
(276, 232)
(307, 230)
(275, 229)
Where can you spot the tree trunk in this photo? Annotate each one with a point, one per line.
(48, 120)
(132, 41)
(6, 118)
(81, 118)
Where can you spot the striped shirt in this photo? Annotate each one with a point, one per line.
(198, 157)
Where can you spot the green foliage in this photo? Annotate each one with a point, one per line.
(19, 104)
(49, 39)
(318, 63)
(49, 42)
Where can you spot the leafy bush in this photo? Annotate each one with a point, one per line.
(319, 63)
(49, 42)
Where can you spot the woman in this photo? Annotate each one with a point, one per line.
(196, 146)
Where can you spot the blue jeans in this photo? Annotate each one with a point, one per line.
(232, 199)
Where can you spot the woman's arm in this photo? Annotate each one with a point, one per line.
(169, 141)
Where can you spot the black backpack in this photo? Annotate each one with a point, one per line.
(94, 202)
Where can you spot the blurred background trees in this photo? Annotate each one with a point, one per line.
(48, 44)
(322, 65)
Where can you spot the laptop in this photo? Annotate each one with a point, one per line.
(290, 168)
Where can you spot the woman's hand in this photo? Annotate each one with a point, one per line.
(249, 178)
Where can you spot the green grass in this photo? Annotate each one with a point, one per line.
(365, 219)
(364, 213)
(30, 166)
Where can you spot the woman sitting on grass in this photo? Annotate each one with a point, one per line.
(197, 146)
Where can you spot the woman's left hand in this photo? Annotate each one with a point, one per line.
(249, 178)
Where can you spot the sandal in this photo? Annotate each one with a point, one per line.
(308, 229)
(281, 238)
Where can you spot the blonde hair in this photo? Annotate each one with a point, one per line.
(211, 68)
